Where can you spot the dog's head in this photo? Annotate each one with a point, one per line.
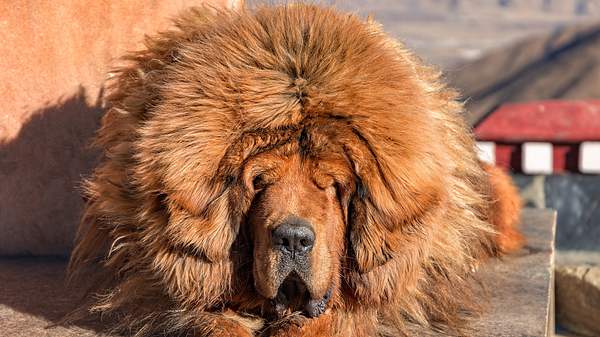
(297, 162)
(315, 205)
(297, 228)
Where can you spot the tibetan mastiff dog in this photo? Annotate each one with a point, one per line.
(286, 171)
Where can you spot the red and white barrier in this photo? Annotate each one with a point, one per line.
(542, 137)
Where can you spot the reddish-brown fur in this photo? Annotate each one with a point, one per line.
(505, 209)
(236, 118)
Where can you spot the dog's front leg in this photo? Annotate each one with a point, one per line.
(314, 327)
(226, 324)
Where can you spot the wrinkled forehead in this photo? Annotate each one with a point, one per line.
(299, 160)
(292, 186)
(312, 137)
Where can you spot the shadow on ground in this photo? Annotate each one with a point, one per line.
(34, 297)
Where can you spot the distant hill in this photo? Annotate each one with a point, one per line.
(561, 65)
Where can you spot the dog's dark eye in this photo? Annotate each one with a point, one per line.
(339, 191)
(259, 182)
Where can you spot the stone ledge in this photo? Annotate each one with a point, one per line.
(522, 286)
(32, 294)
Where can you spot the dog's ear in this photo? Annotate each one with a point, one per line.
(207, 227)
(391, 199)
(368, 235)
(205, 214)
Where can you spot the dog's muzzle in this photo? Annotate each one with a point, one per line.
(294, 239)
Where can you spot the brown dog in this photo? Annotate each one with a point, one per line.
(287, 171)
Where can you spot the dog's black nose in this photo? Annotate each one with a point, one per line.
(293, 238)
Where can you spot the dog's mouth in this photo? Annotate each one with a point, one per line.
(293, 296)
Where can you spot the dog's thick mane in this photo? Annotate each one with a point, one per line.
(165, 206)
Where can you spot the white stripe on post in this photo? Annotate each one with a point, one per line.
(486, 151)
(589, 157)
(537, 158)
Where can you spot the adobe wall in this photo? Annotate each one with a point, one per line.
(54, 56)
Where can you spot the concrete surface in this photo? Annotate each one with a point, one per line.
(576, 198)
(577, 258)
(54, 57)
(521, 286)
(32, 294)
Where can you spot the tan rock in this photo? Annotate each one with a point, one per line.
(578, 299)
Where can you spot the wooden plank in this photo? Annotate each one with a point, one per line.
(521, 302)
